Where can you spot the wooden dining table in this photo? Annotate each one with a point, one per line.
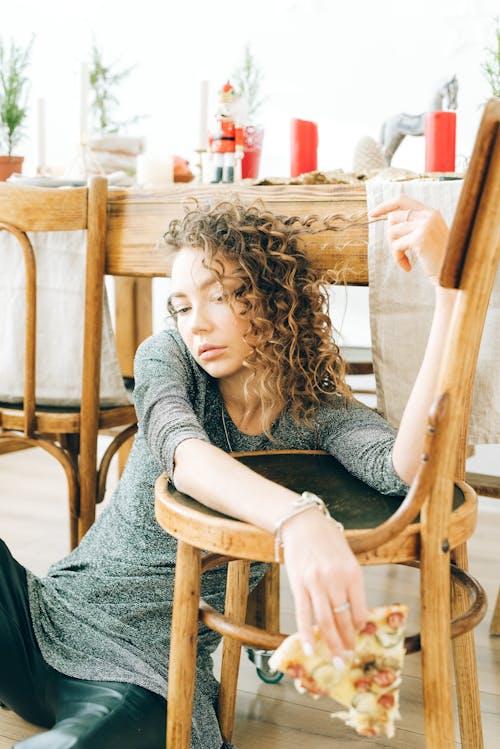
(137, 219)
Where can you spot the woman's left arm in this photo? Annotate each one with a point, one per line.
(415, 226)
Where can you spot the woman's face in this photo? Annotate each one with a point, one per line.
(209, 324)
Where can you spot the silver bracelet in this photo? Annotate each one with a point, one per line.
(306, 501)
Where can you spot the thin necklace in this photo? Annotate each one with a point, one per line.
(225, 427)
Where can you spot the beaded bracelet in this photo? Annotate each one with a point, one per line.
(306, 501)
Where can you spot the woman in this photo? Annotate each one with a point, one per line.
(250, 365)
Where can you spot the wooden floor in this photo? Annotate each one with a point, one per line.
(33, 522)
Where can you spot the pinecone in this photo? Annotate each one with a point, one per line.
(368, 155)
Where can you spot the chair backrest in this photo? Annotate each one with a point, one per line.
(470, 266)
(31, 209)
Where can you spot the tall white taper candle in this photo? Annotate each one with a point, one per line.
(203, 134)
(40, 130)
(84, 104)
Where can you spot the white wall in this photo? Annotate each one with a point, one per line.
(346, 65)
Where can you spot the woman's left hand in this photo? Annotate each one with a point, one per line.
(412, 225)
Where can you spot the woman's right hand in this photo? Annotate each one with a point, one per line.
(412, 225)
(324, 575)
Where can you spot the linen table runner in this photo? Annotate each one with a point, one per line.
(401, 306)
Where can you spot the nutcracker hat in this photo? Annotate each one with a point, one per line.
(228, 93)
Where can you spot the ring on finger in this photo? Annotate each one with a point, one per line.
(343, 607)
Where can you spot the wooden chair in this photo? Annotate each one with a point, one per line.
(428, 528)
(68, 434)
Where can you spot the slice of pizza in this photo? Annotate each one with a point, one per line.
(368, 685)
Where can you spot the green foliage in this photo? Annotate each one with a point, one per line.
(491, 65)
(104, 80)
(247, 80)
(14, 62)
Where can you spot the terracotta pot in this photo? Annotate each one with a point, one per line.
(10, 165)
(252, 149)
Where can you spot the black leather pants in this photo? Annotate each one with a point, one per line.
(80, 714)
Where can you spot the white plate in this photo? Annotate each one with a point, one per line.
(19, 179)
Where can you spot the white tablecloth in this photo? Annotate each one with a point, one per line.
(401, 306)
(60, 258)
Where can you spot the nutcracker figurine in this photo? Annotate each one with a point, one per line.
(226, 142)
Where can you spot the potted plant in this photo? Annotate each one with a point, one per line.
(491, 65)
(14, 62)
(247, 82)
(113, 150)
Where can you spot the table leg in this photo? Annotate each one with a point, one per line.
(134, 323)
(134, 318)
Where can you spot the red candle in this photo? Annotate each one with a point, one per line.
(304, 147)
(439, 131)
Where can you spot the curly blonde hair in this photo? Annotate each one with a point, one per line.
(294, 361)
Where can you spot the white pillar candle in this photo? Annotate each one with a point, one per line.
(84, 104)
(203, 133)
(40, 131)
(154, 170)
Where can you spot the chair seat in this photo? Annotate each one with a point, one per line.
(356, 505)
(358, 359)
(54, 419)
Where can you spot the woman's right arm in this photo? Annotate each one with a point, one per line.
(322, 570)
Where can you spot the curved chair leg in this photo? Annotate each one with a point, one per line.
(272, 599)
(73, 525)
(235, 608)
(464, 657)
(436, 652)
(71, 444)
(65, 454)
(183, 644)
(123, 454)
(495, 620)
(87, 462)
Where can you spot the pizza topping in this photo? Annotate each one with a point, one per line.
(367, 731)
(365, 702)
(295, 670)
(310, 685)
(386, 700)
(385, 677)
(395, 620)
(389, 639)
(369, 629)
(362, 685)
(326, 675)
(393, 662)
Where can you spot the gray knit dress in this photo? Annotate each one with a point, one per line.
(104, 611)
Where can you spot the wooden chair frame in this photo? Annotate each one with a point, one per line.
(437, 541)
(69, 435)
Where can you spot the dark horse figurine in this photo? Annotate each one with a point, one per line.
(397, 126)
